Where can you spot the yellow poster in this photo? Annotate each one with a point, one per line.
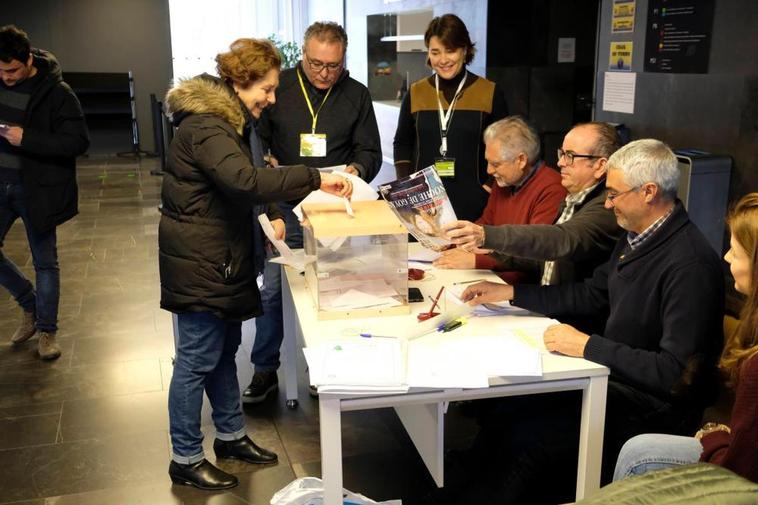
(620, 56)
(623, 16)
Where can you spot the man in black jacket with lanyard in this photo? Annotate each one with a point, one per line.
(322, 118)
(42, 132)
(663, 287)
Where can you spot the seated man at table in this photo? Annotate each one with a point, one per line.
(663, 286)
(583, 232)
(526, 191)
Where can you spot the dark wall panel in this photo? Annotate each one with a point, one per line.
(104, 36)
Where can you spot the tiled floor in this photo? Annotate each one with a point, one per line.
(91, 427)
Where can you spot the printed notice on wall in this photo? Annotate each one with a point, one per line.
(618, 92)
(620, 56)
(566, 49)
(623, 16)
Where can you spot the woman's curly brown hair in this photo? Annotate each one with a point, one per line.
(247, 61)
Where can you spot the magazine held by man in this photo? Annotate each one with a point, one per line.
(421, 203)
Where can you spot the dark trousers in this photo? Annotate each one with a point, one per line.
(44, 299)
(525, 441)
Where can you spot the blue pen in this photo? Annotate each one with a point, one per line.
(371, 335)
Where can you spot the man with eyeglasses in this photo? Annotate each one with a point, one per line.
(322, 117)
(583, 232)
(663, 286)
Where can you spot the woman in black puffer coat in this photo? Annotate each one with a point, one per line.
(214, 187)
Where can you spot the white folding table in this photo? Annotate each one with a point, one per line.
(422, 410)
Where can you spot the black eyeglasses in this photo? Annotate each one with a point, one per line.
(570, 155)
(318, 66)
(612, 195)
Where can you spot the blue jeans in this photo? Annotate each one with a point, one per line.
(269, 328)
(204, 361)
(43, 301)
(653, 451)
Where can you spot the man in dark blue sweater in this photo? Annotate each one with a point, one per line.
(663, 287)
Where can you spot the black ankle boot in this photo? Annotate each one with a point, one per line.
(243, 449)
(202, 475)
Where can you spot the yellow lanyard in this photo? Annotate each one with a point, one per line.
(308, 101)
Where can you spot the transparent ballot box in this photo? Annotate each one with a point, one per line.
(361, 262)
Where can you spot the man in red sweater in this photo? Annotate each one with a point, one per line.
(527, 191)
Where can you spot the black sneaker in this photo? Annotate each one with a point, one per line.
(262, 384)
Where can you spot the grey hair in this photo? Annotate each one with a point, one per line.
(515, 137)
(647, 160)
(326, 31)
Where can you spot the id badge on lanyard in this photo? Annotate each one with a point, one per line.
(312, 145)
(445, 165)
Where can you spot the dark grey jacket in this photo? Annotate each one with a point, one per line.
(577, 246)
(208, 193)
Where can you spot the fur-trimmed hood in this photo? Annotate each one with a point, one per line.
(204, 94)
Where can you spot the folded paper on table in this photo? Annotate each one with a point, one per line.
(298, 260)
(503, 308)
(423, 255)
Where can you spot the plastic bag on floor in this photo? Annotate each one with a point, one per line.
(310, 491)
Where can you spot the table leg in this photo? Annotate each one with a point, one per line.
(591, 437)
(289, 354)
(330, 425)
(425, 426)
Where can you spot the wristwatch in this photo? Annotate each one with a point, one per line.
(711, 427)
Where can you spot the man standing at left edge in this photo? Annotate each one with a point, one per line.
(42, 133)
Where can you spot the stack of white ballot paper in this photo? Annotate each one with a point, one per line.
(381, 365)
(358, 365)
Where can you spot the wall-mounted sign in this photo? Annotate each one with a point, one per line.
(618, 92)
(678, 38)
(566, 50)
(620, 58)
(622, 20)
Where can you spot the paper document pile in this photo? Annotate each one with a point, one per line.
(384, 365)
(358, 365)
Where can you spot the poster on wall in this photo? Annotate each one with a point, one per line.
(620, 56)
(622, 20)
(618, 92)
(678, 38)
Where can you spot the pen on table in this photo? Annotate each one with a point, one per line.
(451, 325)
(436, 300)
(371, 335)
(467, 282)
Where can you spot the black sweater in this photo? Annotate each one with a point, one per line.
(666, 300)
(347, 118)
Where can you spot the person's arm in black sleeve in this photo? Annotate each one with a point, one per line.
(367, 147)
(405, 139)
(690, 300)
(219, 156)
(69, 137)
(580, 298)
(589, 233)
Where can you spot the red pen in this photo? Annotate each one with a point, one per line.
(423, 316)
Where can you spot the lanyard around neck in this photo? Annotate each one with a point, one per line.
(446, 116)
(314, 116)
